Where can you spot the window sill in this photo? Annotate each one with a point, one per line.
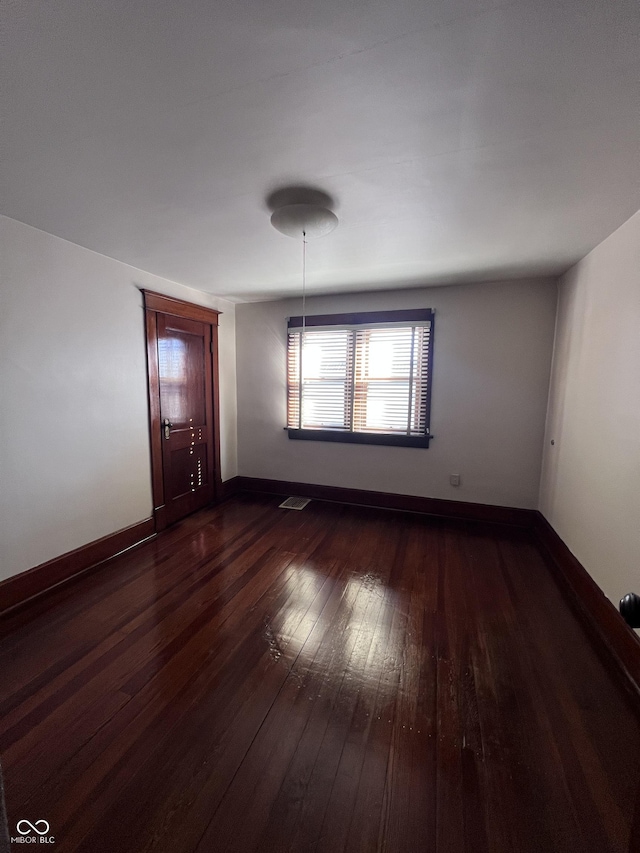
(359, 437)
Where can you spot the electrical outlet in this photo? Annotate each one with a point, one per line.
(454, 479)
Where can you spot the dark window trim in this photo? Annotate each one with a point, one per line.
(410, 315)
(367, 318)
(346, 437)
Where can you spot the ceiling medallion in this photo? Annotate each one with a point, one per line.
(304, 220)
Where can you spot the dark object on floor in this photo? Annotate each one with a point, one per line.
(630, 609)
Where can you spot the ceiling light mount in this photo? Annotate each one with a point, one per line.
(304, 220)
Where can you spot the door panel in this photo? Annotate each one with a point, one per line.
(183, 411)
(184, 372)
(181, 365)
(188, 469)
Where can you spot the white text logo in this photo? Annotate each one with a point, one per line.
(33, 833)
(32, 827)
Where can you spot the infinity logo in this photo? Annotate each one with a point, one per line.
(32, 827)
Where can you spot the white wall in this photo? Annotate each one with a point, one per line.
(74, 454)
(492, 357)
(590, 486)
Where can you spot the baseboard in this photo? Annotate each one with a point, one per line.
(386, 500)
(20, 588)
(613, 638)
(616, 643)
(229, 488)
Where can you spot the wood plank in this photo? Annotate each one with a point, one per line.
(338, 679)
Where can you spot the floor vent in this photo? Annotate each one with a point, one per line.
(295, 503)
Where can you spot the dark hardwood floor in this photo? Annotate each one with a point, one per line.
(333, 679)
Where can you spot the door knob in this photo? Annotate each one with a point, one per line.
(166, 426)
(630, 609)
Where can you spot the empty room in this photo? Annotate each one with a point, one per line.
(320, 458)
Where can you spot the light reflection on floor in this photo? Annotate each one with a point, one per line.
(361, 651)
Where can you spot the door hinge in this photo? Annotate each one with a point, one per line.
(211, 350)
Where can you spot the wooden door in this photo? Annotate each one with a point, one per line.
(183, 385)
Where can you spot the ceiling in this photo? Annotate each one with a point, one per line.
(461, 140)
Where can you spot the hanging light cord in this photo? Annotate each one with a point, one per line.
(304, 319)
(304, 281)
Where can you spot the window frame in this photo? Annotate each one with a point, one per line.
(367, 319)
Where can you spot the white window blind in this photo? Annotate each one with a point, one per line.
(320, 385)
(361, 378)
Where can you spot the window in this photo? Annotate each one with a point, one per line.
(360, 377)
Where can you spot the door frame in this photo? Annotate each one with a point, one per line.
(154, 304)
